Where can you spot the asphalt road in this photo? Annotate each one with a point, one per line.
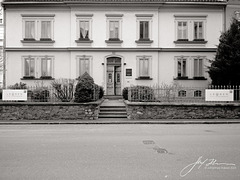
(120, 152)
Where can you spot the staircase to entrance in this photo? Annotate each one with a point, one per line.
(112, 107)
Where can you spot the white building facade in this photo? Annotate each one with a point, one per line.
(119, 43)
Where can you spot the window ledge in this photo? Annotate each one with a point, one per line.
(190, 42)
(46, 42)
(144, 78)
(194, 78)
(144, 41)
(83, 41)
(114, 41)
(33, 78)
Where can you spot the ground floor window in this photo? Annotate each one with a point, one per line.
(144, 67)
(37, 67)
(83, 65)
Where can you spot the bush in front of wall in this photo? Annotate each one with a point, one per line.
(18, 86)
(101, 92)
(0, 93)
(40, 95)
(64, 89)
(84, 91)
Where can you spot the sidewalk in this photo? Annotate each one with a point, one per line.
(122, 121)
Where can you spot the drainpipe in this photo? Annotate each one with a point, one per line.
(4, 45)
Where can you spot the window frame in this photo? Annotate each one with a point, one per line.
(37, 67)
(84, 18)
(78, 58)
(149, 70)
(38, 19)
(182, 58)
(191, 20)
(114, 18)
(144, 18)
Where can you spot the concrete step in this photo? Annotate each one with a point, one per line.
(113, 109)
(112, 97)
(113, 113)
(112, 116)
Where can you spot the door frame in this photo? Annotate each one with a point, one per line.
(105, 70)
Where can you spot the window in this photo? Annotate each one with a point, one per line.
(197, 93)
(29, 66)
(38, 27)
(182, 67)
(84, 29)
(46, 67)
(190, 29)
(198, 31)
(182, 31)
(144, 67)
(182, 93)
(198, 67)
(114, 28)
(83, 65)
(144, 28)
(37, 67)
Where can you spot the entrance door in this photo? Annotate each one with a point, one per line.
(114, 76)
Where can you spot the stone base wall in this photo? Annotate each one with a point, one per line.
(49, 111)
(146, 110)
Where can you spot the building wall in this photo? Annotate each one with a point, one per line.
(163, 50)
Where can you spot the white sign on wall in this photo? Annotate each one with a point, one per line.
(219, 95)
(14, 95)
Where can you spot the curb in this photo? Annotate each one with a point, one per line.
(114, 122)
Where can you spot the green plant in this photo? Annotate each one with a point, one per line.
(64, 89)
(0, 93)
(101, 92)
(142, 94)
(18, 86)
(39, 95)
(84, 91)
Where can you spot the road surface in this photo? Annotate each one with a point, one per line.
(120, 152)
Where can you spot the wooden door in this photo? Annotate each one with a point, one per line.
(117, 80)
(110, 80)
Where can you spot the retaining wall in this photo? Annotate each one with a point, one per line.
(150, 110)
(49, 111)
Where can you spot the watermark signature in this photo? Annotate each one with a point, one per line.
(207, 164)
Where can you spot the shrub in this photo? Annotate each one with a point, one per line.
(85, 89)
(101, 92)
(18, 86)
(0, 93)
(64, 89)
(39, 95)
(125, 93)
(142, 94)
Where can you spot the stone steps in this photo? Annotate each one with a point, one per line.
(112, 109)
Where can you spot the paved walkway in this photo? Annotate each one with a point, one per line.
(113, 102)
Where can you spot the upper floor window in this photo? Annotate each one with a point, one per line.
(144, 28)
(38, 27)
(190, 28)
(84, 28)
(114, 28)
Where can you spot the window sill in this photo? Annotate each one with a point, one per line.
(144, 78)
(142, 41)
(186, 78)
(41, 78)
(114, 41)
(190, 42)
(38, 42)
(83, 41)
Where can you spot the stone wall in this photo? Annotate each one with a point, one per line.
(49, 111)
(148, 110)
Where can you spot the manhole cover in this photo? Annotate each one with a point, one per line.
(160, 150)
(148, 142)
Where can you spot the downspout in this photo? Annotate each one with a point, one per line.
(4, 45)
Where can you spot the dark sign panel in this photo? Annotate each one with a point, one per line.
(128, 72)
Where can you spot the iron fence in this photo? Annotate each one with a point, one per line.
(176, 93)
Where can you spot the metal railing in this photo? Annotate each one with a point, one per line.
(175, 93)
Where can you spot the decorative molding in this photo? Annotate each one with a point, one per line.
(84, 15)
(144, 15)
(114, 15)
(38, 15)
